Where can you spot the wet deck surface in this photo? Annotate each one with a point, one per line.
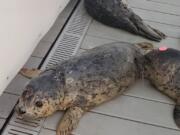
(141, 110)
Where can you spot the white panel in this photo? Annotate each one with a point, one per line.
(23, 24)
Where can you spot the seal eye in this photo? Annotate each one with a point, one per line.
(39, 104)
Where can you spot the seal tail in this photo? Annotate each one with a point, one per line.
(146, 30)
(176, 115)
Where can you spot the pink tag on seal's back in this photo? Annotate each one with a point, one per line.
(163, 48)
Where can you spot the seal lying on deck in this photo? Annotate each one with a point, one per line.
(162, 68)
(81, 83)
(115, 13)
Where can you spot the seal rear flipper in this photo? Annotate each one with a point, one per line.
(176, 115)
(146, 30)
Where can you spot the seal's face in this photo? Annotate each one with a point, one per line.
(35, 105)
(41, 97)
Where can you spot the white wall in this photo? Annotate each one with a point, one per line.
(22, 24)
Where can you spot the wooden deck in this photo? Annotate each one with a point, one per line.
(142, 110)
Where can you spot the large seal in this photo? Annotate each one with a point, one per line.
(116, 13)
(162, 68)
(81, 83)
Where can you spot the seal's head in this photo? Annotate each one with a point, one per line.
(162, 60)
(160, 64)
(41, 96)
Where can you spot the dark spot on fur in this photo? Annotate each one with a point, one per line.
(105, 93)
(80, 101)
(81, 90)
(166, 88)
(94, 95)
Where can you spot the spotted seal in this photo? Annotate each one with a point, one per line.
(81, 83)
(162, 68)
(116, 13)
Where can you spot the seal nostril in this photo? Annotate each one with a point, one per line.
(22, 111)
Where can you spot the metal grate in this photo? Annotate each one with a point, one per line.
(34, 125)
(71, 38)
(12, 130)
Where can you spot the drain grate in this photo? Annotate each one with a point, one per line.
(12, 130)
(71, 38)
(34, 125)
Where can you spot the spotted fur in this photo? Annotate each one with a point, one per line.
(163, 70)
(81, 83)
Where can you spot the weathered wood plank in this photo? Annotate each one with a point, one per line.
(169, 2)
(98, 30)
(139, 110)
(159, 7)
(96, 124)
(158, 17)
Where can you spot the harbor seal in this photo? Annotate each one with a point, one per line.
(162, 68)
(116, 13)
(81, 83)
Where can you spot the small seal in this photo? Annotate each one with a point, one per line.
(162, 68)
(81, 83)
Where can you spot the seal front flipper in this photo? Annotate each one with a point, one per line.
(70, 121)
(146, 30)
(176, 114)
(30, 73)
